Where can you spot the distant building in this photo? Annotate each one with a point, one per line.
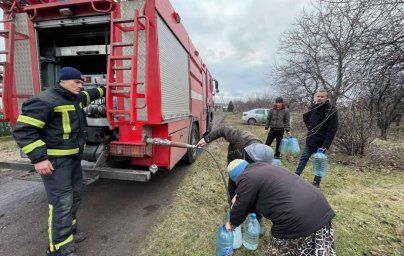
(222, 107)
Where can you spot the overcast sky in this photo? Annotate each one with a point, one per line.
(238, 39)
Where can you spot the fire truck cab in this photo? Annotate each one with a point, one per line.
(157, 84)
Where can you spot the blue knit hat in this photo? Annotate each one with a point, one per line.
(69, 73)
(236, 167)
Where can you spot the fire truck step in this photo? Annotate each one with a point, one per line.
(118, 85)
(121, 44)
(122, 67)
(3, 52)
(2, 63)
(120, 21)
(127, 57)
(120, 93)
(120, 112)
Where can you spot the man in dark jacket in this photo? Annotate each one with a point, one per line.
(50, 130)
(242, 145)
(278, 121)
(322, 124)
(300, 214)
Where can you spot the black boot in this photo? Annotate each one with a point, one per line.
(66, 250)
(316, 181)
(79, 237)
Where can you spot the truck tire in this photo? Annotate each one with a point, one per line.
(191, 155)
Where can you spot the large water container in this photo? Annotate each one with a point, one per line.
(238, 238)
(284, 147)
(294, 148)
(320, 163)
(251, 233)
(224, 242)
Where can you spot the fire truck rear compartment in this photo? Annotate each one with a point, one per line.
(84, 47)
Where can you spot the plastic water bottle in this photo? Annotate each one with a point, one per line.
(238, 238)
(320, 163)
(284, 147)
(251, 233)
(276, 162)
(294, 146)
(224, 242)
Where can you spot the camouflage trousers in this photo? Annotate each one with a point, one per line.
(319, 243)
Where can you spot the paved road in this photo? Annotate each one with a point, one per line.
(117, 215)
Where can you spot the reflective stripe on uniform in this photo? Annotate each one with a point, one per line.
(64, 109)
(63, 152)
(100, 91)
(68, 240)
(31, 121)
(51, 248)
(88, 97)
(30, 147)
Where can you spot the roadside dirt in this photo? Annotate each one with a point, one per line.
(117, 215)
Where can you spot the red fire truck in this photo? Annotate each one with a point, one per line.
(157, 84)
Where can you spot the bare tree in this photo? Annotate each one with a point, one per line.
(355, 133)
(322, 51)
(354, 49)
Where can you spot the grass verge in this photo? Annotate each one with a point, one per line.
(369, 207)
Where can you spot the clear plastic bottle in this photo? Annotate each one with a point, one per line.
(294, 147)
(285, 144)
(224, 242)
(320, 163)
(238, 238)
(251, 233)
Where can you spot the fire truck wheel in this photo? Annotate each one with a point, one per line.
(190, 156)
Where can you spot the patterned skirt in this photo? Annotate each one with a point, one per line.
(320, 243)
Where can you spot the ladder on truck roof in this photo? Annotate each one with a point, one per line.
(119, 113)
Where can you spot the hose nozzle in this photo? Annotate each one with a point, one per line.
(167, 143)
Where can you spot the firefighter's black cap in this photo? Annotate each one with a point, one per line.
(69, 73)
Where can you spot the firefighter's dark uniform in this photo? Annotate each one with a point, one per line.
(51, 126)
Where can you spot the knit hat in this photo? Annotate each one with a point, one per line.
(259, 152)
(236, 167)
(69, 73)
(279, 100)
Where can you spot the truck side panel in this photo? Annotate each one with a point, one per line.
(174, 74)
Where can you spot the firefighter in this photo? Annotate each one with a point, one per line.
(242, 145)
(50, 131)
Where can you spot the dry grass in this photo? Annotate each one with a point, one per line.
(9, 149)
(369, 206)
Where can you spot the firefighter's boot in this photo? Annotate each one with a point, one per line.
(79, 237)
(66, 250)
